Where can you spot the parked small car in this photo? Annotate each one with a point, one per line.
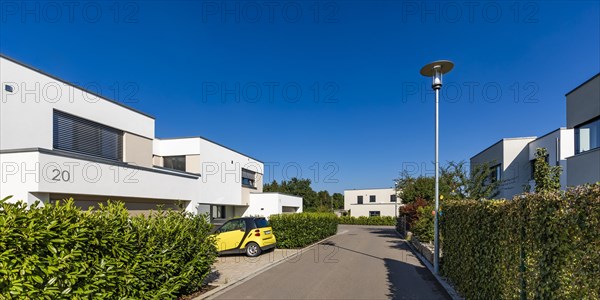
(251, 236)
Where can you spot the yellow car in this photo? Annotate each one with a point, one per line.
(245, 235)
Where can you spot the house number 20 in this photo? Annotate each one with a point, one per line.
(61, 175)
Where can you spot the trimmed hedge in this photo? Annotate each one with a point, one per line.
(385, 220)
(537, 246)
(60, 252)
(302, 229)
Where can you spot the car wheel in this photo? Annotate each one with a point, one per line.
(252, 249)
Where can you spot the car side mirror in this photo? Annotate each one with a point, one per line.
(242, 230)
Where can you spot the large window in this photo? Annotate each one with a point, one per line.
(375, 213)
(72, 133)
(359, 199)
(393, 198)
(174, 162)
(372, 198)
(248, 178)
(587, 136)
(218, 211)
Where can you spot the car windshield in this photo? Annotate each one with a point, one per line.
(261, 223)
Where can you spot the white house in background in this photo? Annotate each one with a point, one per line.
(583, 116)
(58, 140)
(371, 202)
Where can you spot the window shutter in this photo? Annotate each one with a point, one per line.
(83, 136)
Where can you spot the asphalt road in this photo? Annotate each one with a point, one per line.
(360, 262)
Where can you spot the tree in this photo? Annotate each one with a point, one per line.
(480, 184)
(547, 178)
(312, 201)
(338, 201)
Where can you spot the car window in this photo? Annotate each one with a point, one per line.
(233, 225)
(261, 223)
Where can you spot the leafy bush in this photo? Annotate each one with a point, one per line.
(410, 211)
(537, 246)
(302, 229)
(60, 252)
(385, 220)
(423, 225)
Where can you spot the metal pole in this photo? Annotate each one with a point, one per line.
(436, 253)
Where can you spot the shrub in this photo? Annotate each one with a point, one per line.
(302, 229)
(423, 225)
(60, 252)
(410, 211)
(385, 220)
(537, 246)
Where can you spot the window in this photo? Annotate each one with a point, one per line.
(393, 198)
(587, 136)
(174, 162)
(359, 199)
(372, 198)
(374, 213)
(496, 173)
(248, 178)
(233, 225)
(218, 212)
(261, 223)
(532, 164)
(83, 136)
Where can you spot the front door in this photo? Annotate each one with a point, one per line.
(230, 235)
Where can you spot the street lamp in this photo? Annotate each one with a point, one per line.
(435, 70)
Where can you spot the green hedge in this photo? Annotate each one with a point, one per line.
(60, 252)
(302, 229)
(388, 221)
(537, 246)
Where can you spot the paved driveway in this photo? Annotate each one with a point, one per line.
(360, 262)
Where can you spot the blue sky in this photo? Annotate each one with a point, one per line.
(332, 86)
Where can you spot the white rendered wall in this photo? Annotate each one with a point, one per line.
(267, 204)
(382, 196)
(35, 172)
(26, 113)
(385, 209)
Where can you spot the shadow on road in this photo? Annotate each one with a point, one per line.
(401, 279)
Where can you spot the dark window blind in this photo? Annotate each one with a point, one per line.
(72, 133)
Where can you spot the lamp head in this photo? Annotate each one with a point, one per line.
(435, 70)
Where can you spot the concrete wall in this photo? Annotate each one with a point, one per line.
(583, 103)
(382, 201)
(584, 168)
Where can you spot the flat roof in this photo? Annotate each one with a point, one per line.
(210, 141)
(592, 78)
(502, 140)
(368, 189)
(74, 85)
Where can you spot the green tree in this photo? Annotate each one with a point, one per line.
(338, 201)
(480, 185)
(547, 178)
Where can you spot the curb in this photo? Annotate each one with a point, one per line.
(221, 289)
(449, 289)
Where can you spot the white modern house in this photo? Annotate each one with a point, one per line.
(372, 202)
(583, 116)
(576, 149)
(58, 140)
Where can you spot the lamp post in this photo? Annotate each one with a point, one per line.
(435, 70)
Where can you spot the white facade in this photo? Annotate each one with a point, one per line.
(267, 204)
(372, 202)
(215, 179)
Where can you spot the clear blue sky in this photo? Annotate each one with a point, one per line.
(375, 112)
